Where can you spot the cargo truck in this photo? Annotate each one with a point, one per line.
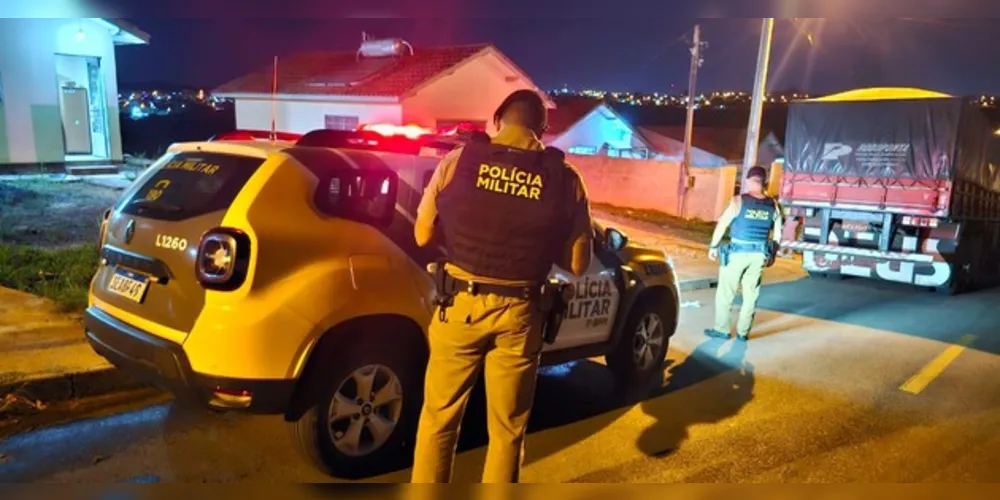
(894, 184)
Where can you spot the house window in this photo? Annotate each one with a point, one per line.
(633, 153)
(582, 150)
(338, 122)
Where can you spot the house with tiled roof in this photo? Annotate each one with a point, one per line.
(596, 129)
(385, 82)
(593, 127)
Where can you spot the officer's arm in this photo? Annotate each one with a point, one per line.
(778, 223)
(723, 225)
(423, 227)
(580, 245)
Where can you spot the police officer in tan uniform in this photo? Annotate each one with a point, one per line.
(509, 209)
(754, 224)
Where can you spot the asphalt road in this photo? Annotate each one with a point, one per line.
(844, 381)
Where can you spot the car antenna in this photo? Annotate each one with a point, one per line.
(274, 102)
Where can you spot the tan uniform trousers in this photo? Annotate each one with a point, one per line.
(746, 270)
(503, 337)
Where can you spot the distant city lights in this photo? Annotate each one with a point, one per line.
(144, 103)
(717, 100)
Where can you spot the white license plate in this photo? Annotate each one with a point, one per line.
(130, 285)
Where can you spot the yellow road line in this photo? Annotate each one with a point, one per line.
(924, 377)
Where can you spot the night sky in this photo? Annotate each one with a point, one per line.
(644, 51)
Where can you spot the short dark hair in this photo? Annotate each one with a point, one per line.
(757, 171)
(525, 108)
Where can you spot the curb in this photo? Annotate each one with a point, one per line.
(698, 284)
(73, 385)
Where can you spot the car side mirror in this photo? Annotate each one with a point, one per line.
(367, 196)
(614, 240)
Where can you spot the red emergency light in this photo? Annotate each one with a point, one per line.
(390, 130)
(388, 138)
(461, 128)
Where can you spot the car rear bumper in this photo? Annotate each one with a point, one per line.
(164, 364)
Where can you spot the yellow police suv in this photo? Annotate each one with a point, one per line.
(279, 277)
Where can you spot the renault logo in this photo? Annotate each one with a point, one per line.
(129, 231)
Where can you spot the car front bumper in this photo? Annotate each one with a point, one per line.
(164, 364)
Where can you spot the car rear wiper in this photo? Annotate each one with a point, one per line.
(155, 204)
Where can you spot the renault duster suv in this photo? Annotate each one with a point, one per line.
(283, 278)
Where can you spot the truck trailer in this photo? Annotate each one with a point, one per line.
(894, 184)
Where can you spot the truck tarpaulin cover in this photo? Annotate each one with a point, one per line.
(926, 139)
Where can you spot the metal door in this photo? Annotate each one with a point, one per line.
(76, 121)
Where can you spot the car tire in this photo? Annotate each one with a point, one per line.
(388, 361)
(625, 360)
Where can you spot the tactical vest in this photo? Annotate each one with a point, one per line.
(755, 220)
(504, 214)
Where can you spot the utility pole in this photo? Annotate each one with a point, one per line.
(274, 102)
(757, 107)
(696, 62)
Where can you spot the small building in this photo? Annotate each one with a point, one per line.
(712, 146)
(596, 130)
(385, 82)
(59, 91)
(592, 127)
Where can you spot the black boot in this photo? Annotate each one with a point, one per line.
(711, 332)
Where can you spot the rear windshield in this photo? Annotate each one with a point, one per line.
(192, 184)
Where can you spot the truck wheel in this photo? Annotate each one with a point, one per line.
(816, 275)
(364, 423)
(640, 352)
(959, 282)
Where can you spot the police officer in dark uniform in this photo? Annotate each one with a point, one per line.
(754, 223)
(509, 209)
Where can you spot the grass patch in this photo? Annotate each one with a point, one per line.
(61, 275)
(694, 229)
(51, 214)
(48, 236)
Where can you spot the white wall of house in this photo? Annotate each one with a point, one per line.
(300, 116)
(29, 86)
(600, 126)
(470, 92)
(670, 149)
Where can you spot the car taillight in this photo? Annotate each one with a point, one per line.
(104, 228)
(223, 259)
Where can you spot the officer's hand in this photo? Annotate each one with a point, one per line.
(713, 254)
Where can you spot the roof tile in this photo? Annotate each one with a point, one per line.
(324, 73)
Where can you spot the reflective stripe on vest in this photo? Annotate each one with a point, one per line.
(755, 220)
(504, 213)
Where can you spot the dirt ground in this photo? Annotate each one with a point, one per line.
(693, 230)
(52, 213)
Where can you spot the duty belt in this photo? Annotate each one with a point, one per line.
(455, 285)
(735, 247)
(553, 297)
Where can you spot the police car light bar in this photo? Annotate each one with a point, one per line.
(389, 130)
(370, 140)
